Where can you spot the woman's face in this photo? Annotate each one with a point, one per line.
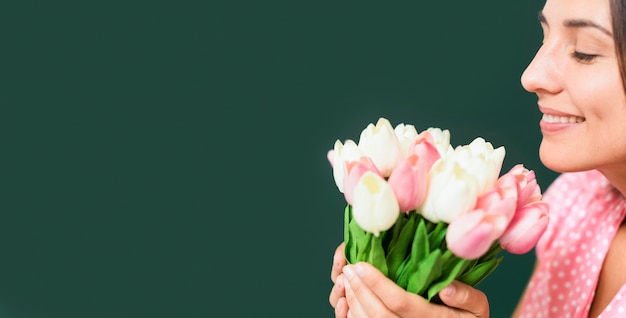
(576, 77)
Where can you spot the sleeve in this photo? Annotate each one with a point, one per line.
(617, 306)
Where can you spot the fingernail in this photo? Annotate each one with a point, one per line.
(347, 271)
(346, 283)
(359, 269)
(448, 291)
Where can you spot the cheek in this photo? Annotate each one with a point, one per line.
(600, 96)
(601, 141)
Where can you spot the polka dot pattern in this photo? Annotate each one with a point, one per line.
(617, 306)
(585, 213)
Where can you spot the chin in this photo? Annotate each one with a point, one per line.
(558, 161)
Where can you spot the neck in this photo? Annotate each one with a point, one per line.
(617, 180)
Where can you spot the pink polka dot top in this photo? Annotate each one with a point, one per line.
(585, 213)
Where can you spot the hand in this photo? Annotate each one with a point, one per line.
(369, 293)
(337, 294)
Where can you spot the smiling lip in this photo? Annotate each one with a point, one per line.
(554, 121)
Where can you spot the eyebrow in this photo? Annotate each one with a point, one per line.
(578, 23)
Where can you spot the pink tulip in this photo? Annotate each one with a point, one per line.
(441, 140)
(409, 178)
(526, 228)
(470, 235)
(408, 182)
(502, 198)
(424, 147)
(354, 171)
(330, 155)
(527, 187)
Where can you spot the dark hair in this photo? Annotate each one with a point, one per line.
(618, 14)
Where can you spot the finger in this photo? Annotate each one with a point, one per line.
(337, 292)
(361, 300)
(465, 297)
(389, 293)
(392, 297)
(339, 261)
(341, 310)
(355, 309)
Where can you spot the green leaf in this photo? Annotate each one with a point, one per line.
(370, 250)
(359, 242)
(419, 251)
(437, 235)
(349, 248)
(394, 232)
(399, 247)
(400, 270)
(402, 275)
(362, 246)
(346, 224)
(453, 267)
(480, 271)
(392, 235)
(428, 270)
(493, 251)
(420, 247)
(376, 254)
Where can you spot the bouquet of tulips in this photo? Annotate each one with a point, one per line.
(425, 213)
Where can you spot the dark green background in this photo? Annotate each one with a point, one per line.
(168, 159)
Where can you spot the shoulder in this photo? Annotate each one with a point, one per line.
(574, 187)
(576, 183)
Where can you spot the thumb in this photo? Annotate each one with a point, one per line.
(465, 297)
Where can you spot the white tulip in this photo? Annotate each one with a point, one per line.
(380, 143)
(482, 147)
(482, 160)
(342, 153)
(406, 135)
(452, 191)
(375, 208)
(442, 140)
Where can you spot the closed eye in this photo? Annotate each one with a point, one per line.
(583, 58)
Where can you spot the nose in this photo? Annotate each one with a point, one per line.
(542, 74)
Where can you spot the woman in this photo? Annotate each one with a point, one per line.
(578, 75)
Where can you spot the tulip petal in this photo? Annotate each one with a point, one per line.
(468, 236)
(380, 143)
(341, 154)
(406, 134)
(451, 192)
(425, 150)
(354, 171)
(375, 207)
(330, 156)
(409, 180)
(526, 228)
(441, 140)
(406, 185)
